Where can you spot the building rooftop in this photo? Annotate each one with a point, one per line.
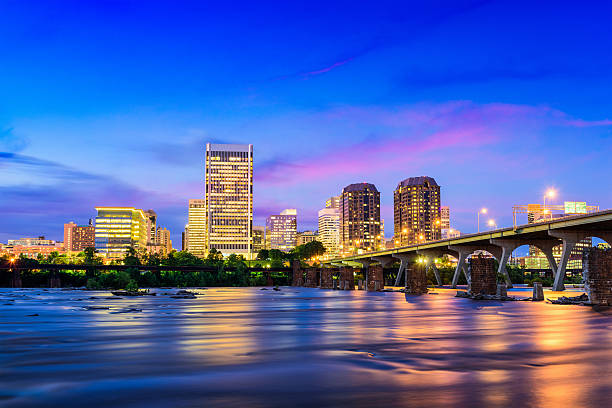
(418, 181)
(359, 187)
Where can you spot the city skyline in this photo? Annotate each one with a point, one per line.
(313, 108)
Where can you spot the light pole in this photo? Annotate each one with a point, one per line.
(550, 193)
(492, 224)
(481, 211)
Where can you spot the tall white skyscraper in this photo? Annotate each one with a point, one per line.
(329, 230)
(229, 199)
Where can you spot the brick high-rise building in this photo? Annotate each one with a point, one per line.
(360, 218)
(162, 238)
(79, 237)
(416, 205)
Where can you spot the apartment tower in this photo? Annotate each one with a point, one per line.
(416, 208)
(360, 218)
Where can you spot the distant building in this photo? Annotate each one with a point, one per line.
(38, 241)
(305, 237)
(329, 230)
(537, 213)
(416, 210)
(185, 238)
(259, 239)
(196, 236)
(333, 202)
(283, 230)
(163, 239)
(79, 237)
(151, 226)
(360, 218)
(450, 233)
(31, 247)
(445, 217)
(229, 199)
(603, 245)
(119, 228)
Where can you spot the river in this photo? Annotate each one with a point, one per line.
(299, 347)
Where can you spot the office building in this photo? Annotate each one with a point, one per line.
(360, 218)
(305, 237)
(185, 238)
(119, 228)
(329, 230)
(259, 239)
(283, 230)
(229, 198)
(31, 247)
(163, 240)
(151, 226)
(333, 202)
(79, 237)
(416, 210)
(537, 213)
(196, 233)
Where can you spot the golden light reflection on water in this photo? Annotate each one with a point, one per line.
(432, 350)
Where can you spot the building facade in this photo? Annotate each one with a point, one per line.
(162, 238)
(151, 226)
(196, 230)
(416, 211)
(229, 199)
(333, 202)
(282, 229)
(305, 237)
(536, 258)
(329, 231)
(259, 239)
(79, 237)
(119, 228)
(360, 219)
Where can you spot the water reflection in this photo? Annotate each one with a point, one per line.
(299, 347)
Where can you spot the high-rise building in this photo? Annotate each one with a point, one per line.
(185, 238)
(283, 230)
(229, 198)
(118, 228)
(259, 239)
(79, 237)
(416, 210)
(151, 226)
(329, 230)
(445, 217)
(162, 238)
(196, 235)
(360, 218)
(305, 237)
(333, 202)
(445, 228)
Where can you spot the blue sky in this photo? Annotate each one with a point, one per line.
(111, 103)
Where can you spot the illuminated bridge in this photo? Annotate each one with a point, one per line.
(500, 243)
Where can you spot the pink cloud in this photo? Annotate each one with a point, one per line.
(413, 135)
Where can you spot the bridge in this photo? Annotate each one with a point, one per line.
(500, 243)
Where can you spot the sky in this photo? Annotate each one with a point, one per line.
(112, 102)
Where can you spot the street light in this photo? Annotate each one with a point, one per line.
(492, 224)
(481, 211)
(550, 193)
